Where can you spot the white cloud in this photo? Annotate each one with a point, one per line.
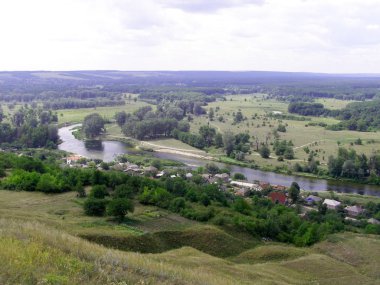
(293, 35)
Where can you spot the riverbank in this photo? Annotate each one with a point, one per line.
(110, 149)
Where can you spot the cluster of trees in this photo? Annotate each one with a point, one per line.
(358, 116)
(236, 146)
(349, 164)
(30, 127)
(146, 124)
(284, 148)
(93, 125)
(307, 109)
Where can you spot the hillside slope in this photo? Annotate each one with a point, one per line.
(33, 253)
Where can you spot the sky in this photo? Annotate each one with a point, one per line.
(332, 36)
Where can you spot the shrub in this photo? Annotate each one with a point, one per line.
(98, 191)
(94, 207)
(239, 176)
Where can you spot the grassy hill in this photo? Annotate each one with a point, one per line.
(41, 243)
(32, 253)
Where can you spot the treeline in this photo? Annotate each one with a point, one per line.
(349, 164)
(358, 116)
(113, 194)
(30, 127)
(76, 103)
(307, 109)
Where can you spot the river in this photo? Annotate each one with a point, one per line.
(108, 150)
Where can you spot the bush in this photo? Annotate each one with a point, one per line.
(99, 192)
(177, 204)
(95, 207)
(119, 208)
(123, 191)
(239, 176)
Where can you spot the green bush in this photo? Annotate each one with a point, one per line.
(119, 208)
(95, 207)
(99, 192)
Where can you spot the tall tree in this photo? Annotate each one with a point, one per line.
(93, 125)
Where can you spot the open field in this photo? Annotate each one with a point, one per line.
(77, 115)
(65, 211)
(333, 104)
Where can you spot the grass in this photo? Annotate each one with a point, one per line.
(39, 246)
(77, 115)
(64, 211)
(324, 142)
(353, 198)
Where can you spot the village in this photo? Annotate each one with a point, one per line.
(278, 194)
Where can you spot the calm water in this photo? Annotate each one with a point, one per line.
(108, 150)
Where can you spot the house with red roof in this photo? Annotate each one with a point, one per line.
(278, 198)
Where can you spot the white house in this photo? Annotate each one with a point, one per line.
(331, 204)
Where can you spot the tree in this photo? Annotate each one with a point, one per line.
(218, 140)
(93, 125)
(229, 142)
(81, 193)
(264, 151)
(119, 208)
(208, 134)
(294, 191)
(211, 114)
(238, 117)
(121, 118)
(281, 128)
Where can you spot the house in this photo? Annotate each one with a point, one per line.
(243, 192)
(150, 169)
(311, 199)
(189, 175)
(225, 177)
(264, 185)
(354, 211)
(133, 169)
(331, 204)
(73, 159)
(209, 178)
(373, 221)
(278, 197)
(279, 187)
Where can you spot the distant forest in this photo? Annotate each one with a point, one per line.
(192, 90)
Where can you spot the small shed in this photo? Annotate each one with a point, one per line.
(331, 204)
(311, 199)
(354, 211)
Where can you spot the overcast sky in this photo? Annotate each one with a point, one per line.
(284, 35)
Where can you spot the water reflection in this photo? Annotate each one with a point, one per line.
(94, 145)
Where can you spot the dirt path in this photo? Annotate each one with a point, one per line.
(185, 152)
(301, 146)
(171, 148)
